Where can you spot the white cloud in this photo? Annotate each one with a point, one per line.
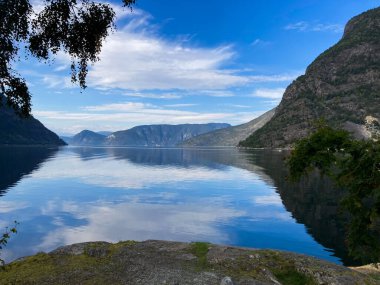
(260, 42)
(54, 81)
(217, 93)
(275, 93)
(153, 95)
(136, 58)
(274, 78)
(139, 61)
(127, 106)
(239, 106)
(336, 28)
(123, 12)
(299, 26)
(305, 26)
(180, 105)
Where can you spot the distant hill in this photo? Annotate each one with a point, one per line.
(229, 136)
(15, 130)
(342, 85)
(160, 135)
(104, 133)
(148, 135)
(87, 138)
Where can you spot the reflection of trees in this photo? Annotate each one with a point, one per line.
(16, 162)
(314, 202)
(355, 166)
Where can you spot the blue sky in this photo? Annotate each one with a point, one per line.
(189, 62)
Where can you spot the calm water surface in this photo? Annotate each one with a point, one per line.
(224, 196)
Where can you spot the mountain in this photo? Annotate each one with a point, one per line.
(342, 86)
(87, 138)
(15, 130)
(229, 136)
(160, 135)
(104, 133)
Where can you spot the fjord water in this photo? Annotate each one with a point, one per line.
(225, 196)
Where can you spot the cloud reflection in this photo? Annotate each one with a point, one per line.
(268, 200)
(141, 221)
(10, 206)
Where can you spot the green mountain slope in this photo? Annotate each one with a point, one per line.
(15, 130)
(229, 136)
(342, 86)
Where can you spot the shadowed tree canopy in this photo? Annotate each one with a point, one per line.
(76, 27)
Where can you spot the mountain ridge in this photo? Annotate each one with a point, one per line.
(160, 135)
(231, 136)
(163, 135)
(341, 85)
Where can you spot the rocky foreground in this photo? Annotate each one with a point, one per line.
(162, 262)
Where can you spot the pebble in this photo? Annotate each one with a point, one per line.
(226, 281)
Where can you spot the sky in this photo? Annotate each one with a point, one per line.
(189, 61)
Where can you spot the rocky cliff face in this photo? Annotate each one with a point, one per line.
(15, 130)
(229, 136)
(342, 86)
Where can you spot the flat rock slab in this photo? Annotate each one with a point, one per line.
(175, 263)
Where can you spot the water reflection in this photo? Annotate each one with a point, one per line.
(16, 162)
(223, 196)
(314, 202)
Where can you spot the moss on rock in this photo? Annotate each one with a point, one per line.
(161, 262)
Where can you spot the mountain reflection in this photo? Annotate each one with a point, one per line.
(16, 162)
(218, 195)
(212, 158)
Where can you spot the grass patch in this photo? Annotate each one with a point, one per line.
(290, 276)
(375, 276)
(200, 250)
(64, 268)
(34, 269)
(121, 244)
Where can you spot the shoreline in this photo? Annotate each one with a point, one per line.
(167, 262)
